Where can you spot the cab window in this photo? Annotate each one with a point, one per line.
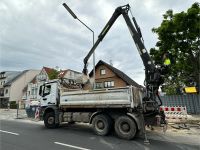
(47, 90)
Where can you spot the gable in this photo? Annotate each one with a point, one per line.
(42, 76)
(102, 71)
(116, 72)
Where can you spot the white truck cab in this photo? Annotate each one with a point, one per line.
(49, 93)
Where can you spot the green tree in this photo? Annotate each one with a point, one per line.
(53, 74)
(179, 35)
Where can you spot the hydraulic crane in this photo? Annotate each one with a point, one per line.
(153, 75)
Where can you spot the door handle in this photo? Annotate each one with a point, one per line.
(44, 99)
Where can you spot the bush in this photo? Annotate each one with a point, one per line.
(13, 105)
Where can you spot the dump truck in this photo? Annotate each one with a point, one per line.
(127, 110)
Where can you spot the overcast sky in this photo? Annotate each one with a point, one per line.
(37, 33)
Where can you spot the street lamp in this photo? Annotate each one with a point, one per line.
(75, 17)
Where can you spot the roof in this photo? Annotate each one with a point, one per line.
(10, 74)
(15, 78)
(119, 73)
(63, 72)
(48, 70)
(74, 71)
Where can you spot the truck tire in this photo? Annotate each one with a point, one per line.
(49, 121)
(101, 124)
(125, 127)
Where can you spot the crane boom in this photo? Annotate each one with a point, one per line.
(135, 33)
(153, 74)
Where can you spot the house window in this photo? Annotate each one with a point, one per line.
(6, 91)
(102, 71)
(32, 91)
(99, 85)
(108, 84)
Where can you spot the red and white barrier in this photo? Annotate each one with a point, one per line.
(175, 114)
(37, 113)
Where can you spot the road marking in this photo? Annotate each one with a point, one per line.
(72, 146)
(9, 132)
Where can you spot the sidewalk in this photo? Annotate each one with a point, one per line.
(12, 114)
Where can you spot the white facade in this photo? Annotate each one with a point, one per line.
(42, 76)
(32, 92)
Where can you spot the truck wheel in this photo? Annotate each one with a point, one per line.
(49, 120)
(125, 127)
(101, 124)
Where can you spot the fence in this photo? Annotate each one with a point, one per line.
(191, 101)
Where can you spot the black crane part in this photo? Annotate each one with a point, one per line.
(153, 75)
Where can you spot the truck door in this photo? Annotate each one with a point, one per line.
(48, 94)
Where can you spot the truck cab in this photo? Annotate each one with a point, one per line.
(49, 93)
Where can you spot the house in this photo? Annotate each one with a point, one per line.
(69, 75)
(107, 76)
(31, 92)
(44, 75)
(13, 89)
(5, 77)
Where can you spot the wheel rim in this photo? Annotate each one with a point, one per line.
(50, 120)
(124, 127)
(100, 124)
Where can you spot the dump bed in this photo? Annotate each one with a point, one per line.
(105, 98)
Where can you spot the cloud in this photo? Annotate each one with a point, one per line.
(42, 33)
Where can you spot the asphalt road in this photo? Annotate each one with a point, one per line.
(20, 135)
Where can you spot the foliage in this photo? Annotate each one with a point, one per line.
(179, 36)
(53, 74)
(13, 105)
